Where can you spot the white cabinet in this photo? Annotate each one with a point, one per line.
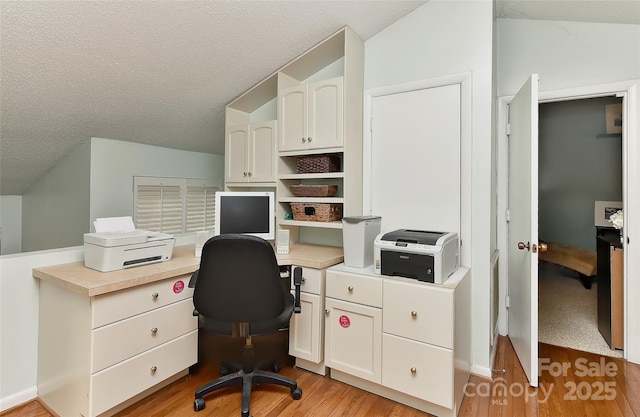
(250, 153)
(311, 116)
(97, 352)
(353, 324)
(411, 339)
(306, 341)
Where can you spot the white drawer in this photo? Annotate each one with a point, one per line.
(354, 288)
(312, 280)
(418, 311)
(119, 305)
(121, 340)
(120, 382)
(418, 369)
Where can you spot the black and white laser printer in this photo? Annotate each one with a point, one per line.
(423, 255)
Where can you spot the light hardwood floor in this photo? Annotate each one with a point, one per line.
(591, 385)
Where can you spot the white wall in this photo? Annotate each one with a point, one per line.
(10, 224)
(577, 58)
(114, 163)
(439, 39)
(55, 211)
(19, 321)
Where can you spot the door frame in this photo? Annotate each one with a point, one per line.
(628, 90)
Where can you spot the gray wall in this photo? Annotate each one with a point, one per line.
(578, 165)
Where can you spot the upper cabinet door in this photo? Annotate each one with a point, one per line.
(236, 154)
(311, 116)
(325, 118)
(262, 145)
(292, 118)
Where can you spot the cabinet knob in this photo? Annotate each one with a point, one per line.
(309, 139)
(154, 369)
(154, 295)
(304, 140)
(304, 279)
(414, 314)
(244, 174)
(350, 289)
(154, 330)
(250, 173)
(414, 371)
(326, 312)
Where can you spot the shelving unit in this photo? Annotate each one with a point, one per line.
(323, 115)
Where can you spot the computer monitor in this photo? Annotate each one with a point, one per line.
(245, 212)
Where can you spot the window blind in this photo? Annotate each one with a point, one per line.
(200, 208)
(159, 208)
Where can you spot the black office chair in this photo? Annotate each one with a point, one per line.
(238, 292)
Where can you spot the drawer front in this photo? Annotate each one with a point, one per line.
(123, 304)
(118, 383)
(354, 288)
(312, 280)
(121, 340)
(418, 311)
(418, 369)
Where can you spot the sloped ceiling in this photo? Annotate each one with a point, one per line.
(161, 72)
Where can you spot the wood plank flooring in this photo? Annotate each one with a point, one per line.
(590, 385)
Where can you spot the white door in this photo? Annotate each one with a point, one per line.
(523, 227)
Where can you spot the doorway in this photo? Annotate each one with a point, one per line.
(580, 162)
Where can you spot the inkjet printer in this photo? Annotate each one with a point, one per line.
(110, 251)
(422, 255)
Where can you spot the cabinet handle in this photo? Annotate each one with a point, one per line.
(326, 312)
(154, 330)
(414, 314)
(414, 371)
(350, 289)
(154, 369)
(244, 174)
(154, 295)
(309, 139)
(250, 173)
(304, 140)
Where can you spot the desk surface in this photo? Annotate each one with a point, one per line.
(85, 281)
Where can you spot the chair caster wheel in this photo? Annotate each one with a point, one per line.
(224, 371)
(276, 367)
(296, 393)
(198, 404)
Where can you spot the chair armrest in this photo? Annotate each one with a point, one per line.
(194, 279)
(297, 281)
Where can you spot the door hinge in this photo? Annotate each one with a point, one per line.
(506, 301)
(507, 215)
(508, 129)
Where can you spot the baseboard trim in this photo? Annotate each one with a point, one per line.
(482, 371)
(19, 398)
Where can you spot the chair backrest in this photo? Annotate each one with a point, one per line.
(239, 280)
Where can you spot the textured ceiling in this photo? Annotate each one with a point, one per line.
(161, 72)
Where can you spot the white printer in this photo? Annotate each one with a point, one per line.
(423, 255)
(117, 244)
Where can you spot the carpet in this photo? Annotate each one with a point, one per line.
(567, 312)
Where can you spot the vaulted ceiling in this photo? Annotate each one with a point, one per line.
(161, 72)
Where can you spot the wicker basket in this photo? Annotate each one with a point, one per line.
(305, 190)
(316, 212)
(311, 164)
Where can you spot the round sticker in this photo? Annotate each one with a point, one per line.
(178, 287)
(345, 322)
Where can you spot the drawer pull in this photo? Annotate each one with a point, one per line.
(350, 289)
(155, 295)
(154, 369)
(414, 314)
(326, 312)
(154, 330)
(304, 279)
(414, 371)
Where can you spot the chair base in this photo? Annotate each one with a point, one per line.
(246, 380)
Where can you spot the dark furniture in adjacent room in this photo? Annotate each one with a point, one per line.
(238, 292)
(610, 289)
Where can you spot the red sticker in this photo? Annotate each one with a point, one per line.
(178, 287)
(345, 322)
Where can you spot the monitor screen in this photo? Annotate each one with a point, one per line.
(250, 212)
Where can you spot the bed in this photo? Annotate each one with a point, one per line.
(583, 261)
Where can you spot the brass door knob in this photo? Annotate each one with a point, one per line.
(523, 246)
(542, 247)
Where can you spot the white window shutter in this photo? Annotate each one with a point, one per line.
(159, 208)
(200, 208)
